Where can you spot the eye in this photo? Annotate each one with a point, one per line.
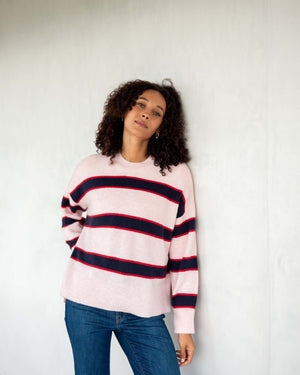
(140, 105)
(157, 114)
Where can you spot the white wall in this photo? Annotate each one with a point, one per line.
(236, 64)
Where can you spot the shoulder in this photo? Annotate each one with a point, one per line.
(181, 176)
(88, 166)
(91, 160)
(181, 169)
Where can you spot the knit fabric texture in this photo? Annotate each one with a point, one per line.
(132, 237)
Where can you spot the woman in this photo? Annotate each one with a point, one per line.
(134, 254)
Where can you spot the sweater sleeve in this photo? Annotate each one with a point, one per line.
(183, 264)
(72, 211)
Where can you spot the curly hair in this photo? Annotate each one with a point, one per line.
(169, 149)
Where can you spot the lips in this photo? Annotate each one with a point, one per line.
(142, 124)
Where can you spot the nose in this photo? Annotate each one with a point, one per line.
(146, 116)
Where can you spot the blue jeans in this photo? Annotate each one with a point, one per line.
(145, 341)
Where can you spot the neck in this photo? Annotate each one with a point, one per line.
(134, 150)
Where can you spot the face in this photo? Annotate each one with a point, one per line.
(146, 116)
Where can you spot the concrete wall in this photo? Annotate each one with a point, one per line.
(236, 64)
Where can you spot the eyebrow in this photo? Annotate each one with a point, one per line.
(142, 97)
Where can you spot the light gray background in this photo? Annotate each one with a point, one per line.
(236, 64)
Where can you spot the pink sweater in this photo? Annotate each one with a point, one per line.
(134, 249)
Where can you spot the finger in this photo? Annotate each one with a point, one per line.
(182, 356)
(189, 358)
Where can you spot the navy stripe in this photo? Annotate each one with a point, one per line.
(184, 228)
(129, 183)
(118, 265)
(181, 206)
(68, 221)
(72, 242)
(184, 264)
(129, 223)
(66, 203)
(184, 300)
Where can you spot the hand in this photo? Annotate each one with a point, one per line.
(187, 348)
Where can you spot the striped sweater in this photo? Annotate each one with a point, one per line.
(132, 235)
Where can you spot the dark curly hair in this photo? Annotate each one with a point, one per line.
(170, 148)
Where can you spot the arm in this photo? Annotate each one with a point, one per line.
(72, 220)
(184, 273)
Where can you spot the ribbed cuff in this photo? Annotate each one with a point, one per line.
(184, 320)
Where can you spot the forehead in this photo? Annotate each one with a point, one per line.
(154, 97)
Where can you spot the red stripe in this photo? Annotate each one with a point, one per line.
(72, 239)
(188, 269)
(183, 307)
(178, 260)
